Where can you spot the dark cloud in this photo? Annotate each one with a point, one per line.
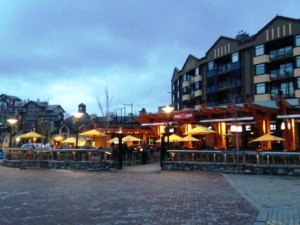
(73, 49)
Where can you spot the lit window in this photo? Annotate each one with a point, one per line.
(248, 127)
(259, 50)
(272, 126)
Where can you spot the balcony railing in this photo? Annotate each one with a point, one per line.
(281, 74)
(281, 53)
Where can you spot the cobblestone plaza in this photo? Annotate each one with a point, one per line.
(146, 195)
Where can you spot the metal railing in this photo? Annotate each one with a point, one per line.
(234, 157)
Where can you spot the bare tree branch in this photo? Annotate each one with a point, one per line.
(104, 107)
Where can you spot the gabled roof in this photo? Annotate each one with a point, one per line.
(10, 96)
(190, 58)
(53, 107)
(229, 39)
(38, 103)
(276, 18)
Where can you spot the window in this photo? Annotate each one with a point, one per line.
(298, 61)
(235, 57)
(211, 65)
(282, 52)
(286, 69)
(287, 89)
(297, 40)
(198, 85)
(260, 69)
(197, 71)
(298, 82)
(185, 90)
(64, 130)
(272, 126)
(259, 50)
(260, 88)
(184, 77)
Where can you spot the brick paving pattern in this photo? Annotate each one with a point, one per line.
(136, 195)
(276, 197)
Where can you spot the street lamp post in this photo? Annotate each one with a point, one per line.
(131, 104)
(77, 116)
(12, 122)
(167, 109)
(120, 150)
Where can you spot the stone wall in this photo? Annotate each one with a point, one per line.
(233, 168)
(80, 165)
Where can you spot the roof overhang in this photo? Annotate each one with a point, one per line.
(155, 124)
(288, 116)
(238, 119)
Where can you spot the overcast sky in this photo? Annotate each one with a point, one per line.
(69, 51)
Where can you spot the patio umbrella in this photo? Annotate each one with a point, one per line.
(130, 138)
(172, 138)
(31, 135)
(58, 138)
(189, 138)
(267, 137)
(69, 140)
(115, 140)
(200, 130)
(93, 133)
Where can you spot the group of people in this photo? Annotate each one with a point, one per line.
(143, 149)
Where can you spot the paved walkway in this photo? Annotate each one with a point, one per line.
(144, 195)
(276, 197)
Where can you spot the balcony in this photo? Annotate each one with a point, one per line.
(281, 74)
(192, 94)
(274, 94)
(281, 53)
(212, 73)
(192, 81)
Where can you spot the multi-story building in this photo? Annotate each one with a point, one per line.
(7, 107)
(39, 116)
(251, 76)
(250, 82)
(233, 69)
(36, 116)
